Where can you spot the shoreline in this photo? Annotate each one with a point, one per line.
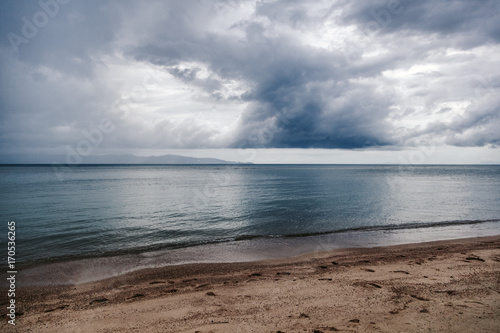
(408, 227)
(89, 269)
(442, 285)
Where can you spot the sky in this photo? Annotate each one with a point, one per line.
(295, 81)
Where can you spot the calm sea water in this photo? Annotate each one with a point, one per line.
(98, 210)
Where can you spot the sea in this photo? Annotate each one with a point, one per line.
(90, 222)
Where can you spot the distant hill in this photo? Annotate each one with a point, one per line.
(109, 159)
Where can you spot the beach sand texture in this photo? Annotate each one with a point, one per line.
(445, 286)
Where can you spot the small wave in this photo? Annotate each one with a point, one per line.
(248, 237)
(167, 246)
(389, 227)
(386, 227)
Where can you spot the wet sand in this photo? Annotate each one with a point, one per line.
(445, 286)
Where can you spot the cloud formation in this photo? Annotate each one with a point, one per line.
(266, 74)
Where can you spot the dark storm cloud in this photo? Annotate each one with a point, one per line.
(300, 96)
(312, 74)
(303, 96)
(472, 23)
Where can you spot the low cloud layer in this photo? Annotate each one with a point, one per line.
(242, 74)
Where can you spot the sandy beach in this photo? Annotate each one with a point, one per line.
(445, 286)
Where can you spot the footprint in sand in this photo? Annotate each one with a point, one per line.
(475, 258)
(202, 285)
(404, 272)
(420, 298)
(328, 328)
(449, 292)
(99, 300)
(189, 280)
(156, 282)
(58, 308)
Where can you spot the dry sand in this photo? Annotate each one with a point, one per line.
(446, 286)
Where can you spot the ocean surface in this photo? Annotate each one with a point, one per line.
(183, 213)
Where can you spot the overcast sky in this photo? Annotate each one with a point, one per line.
(358, 81)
